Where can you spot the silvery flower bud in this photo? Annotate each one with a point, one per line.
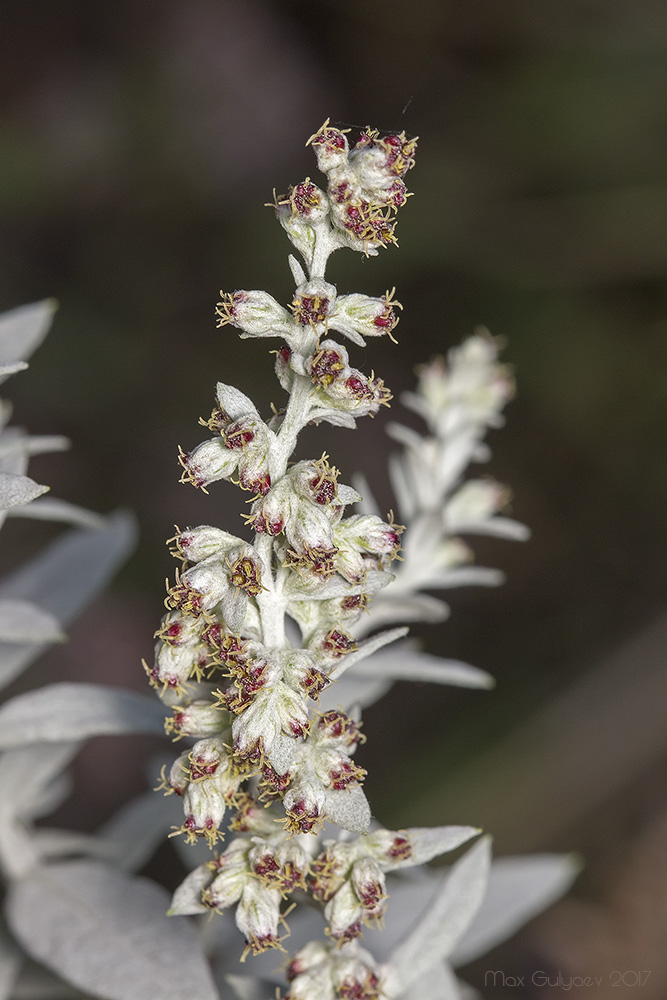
(204, 806)
(200, 588)
(313, 302)
(209, 462)
(274, 709)
(368, 881)
(256, 313)
(365, 316)
(304, 201)
(303, 803)
(328, 364)
(344, 914)
(368, 533)
(179, 774)
(357, 976)
(199, 718)
(197, 544)
(177, 629)
(270, 513)
(331, 147)
(474, 503)
(232, 874)
(176, 664)
(331, 644)
(258, 915)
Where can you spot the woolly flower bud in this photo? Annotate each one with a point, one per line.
(332, 972)
(197, 544)
(199, 718)
(209, 462)
(331, 147)
(364, 316)
(204, 806)
(200, 588)
(304, 803)
(274, 709)
(369, 535)
(232, 874)
(470, 388)
(212, 785)
(283, 868)
(256, 313)
(313, 302)
(332, 644)
(328, 364)
(176, 663)
(342, 387)
(304, 201)
(258, 915)
(474, 503)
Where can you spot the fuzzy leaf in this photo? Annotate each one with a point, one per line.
(12, 368)
(354, 689)
(23, 622)
(349, 809)
(390, 608)
(52, 842)
(75, 712)
(336, 586)
(429, 842)
(108, 933)
(52, 509)
(365, 649)
(409, 664)
(10, 964)
(63, 578)
(249, 987)
(282, 752)
(186, 901)
(234, 402)
(27, 775)
(23, 329)
(438, 983)
(519, 889)
(347, 495)
(15, 490)
(449, 915)
(139, 827)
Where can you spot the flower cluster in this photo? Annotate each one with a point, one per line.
(259, 633)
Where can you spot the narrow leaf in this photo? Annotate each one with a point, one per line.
(365, 649)
(23, 622)
(63, 578)
(23, 329)
(139, 827)
(186, 901)
(75, 712)
(349, 809)
(11, 960)
(52, 509)
(438, 983)
(234, 402)
(409, 664)
(16, 490)
(28, 773)
(519, 889)
(451, 912)
(108, 933)
(429, 842)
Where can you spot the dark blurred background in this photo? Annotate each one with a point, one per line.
(138, 144)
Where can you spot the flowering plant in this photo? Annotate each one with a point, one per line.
(268, 651)
(267, 655)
